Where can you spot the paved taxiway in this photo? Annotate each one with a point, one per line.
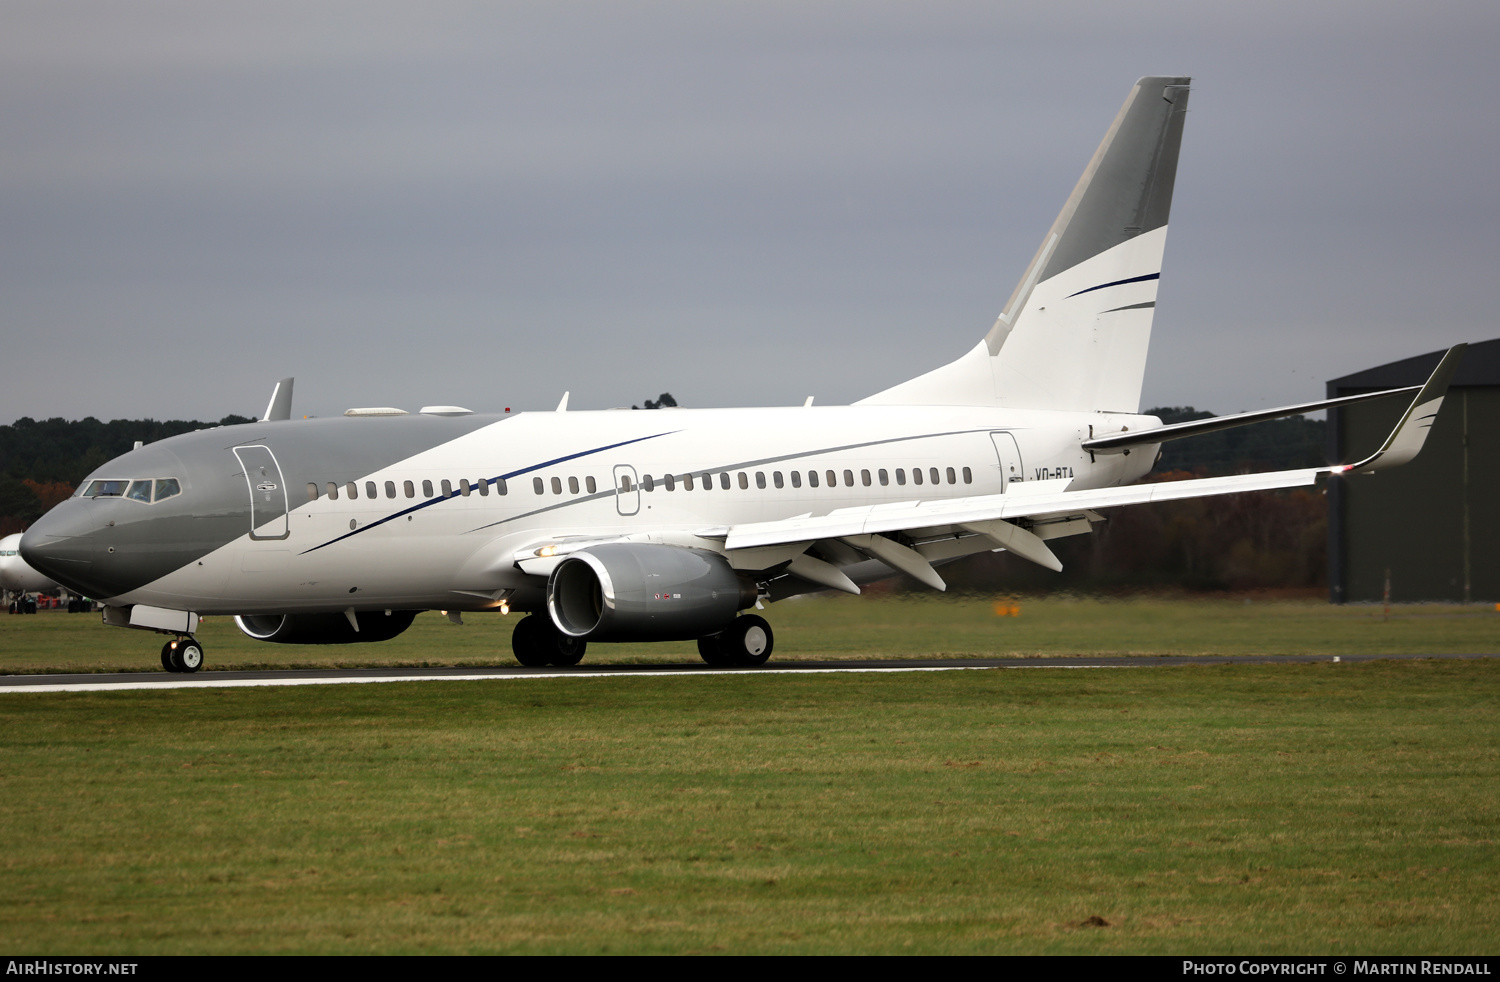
(107, 682)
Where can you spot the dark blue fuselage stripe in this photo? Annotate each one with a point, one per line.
(489, 480)
(1101, 286)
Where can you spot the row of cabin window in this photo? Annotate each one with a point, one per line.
(351, 489)
(648, 483)
(933, 476)
(589, 485)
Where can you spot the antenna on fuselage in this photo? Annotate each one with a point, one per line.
(562, 407)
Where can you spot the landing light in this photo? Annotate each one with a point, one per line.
(505, 606)
(547, 551)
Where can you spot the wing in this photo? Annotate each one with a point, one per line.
(1043, 499)
(910, 536)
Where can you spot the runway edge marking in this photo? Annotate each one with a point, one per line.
(209, 683)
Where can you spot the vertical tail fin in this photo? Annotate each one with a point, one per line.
(1075, 331)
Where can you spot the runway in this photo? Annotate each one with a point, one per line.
(125, 681)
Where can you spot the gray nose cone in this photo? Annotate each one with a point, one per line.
(61, 544)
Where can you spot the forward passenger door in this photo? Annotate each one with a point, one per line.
(267, 492)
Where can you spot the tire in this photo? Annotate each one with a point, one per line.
(537, 642)
(711, 651)
(748, 641)
(525, 643)
(566, 651)
(166, 657)
(188, 656)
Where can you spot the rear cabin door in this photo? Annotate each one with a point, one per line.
(1010, 459)
(627, 490)
(268, 510)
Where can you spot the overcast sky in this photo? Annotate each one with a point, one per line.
(742, 203)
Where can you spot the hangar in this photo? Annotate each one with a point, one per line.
(1430, 528)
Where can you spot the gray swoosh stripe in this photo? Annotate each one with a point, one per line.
(501, 477)
(761, 462)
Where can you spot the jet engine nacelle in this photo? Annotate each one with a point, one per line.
(638, 592)
(374, 625)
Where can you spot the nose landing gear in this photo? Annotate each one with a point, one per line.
(182, 655)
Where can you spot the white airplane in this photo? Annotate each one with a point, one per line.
(15, 576)
(666, 525)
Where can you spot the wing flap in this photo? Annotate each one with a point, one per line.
(987, 508)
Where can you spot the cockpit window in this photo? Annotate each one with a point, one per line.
(105, 489)
(141, 490)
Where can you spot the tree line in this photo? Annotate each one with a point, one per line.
(43, 461)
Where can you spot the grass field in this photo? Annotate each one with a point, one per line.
(1310, 808)
(1293, 808)
(831, 627)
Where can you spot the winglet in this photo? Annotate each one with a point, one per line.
(1406, 440)
(280, 406)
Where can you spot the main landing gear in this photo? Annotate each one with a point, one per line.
(182, 655)
(537, 641)
(745, 643)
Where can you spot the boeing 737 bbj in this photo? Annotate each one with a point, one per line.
(669, 525)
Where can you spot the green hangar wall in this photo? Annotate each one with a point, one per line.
(1433, 524)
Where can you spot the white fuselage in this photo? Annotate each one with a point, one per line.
(457, 550)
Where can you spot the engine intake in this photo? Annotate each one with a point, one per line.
(637, 592)
(374, 625)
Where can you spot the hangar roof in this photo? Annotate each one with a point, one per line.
(1481, 366)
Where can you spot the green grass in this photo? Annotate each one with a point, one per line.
(1310, 808)
(914, 626)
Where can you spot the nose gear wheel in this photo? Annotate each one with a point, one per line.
(182, 655)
